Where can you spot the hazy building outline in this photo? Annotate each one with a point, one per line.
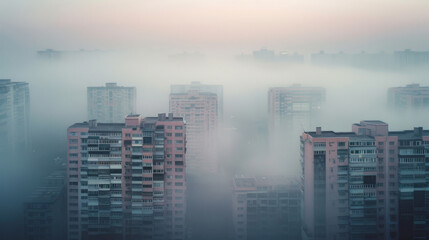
(412, 96)
(110, 103)
(14, 116)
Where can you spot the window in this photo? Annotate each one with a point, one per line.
(178, 127)
(178, 134)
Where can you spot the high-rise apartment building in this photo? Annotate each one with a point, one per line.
(200, 111)
(209, 88)
(294, 105)
(127, 180)
(370, 183)
(111, 103)
(291, 110)
(412, 96)
(266, 208)
(45, 209)
(14, 115)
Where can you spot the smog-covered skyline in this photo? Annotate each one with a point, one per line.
(354, 50)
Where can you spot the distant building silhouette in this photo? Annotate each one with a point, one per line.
(283, 56)
(201, 105)
(412, 96)
(266, 208)
(111, 103)
(45, 211)
(14, 116)
(411, 58)
(397, 60)
(49, 54)
(210, 88)
(199, 110)
(294, 105)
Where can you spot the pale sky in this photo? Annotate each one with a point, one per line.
(307, 25)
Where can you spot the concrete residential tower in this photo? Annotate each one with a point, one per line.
(111, 103)
(266, 208)
(127, 180)
(200, 111)
(14, 115)
(370, 183)
(412, 96)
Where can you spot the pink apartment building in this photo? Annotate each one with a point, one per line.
(370, 183)
(199, 110)
(127, 180)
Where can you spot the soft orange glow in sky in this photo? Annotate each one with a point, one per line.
(272, 23)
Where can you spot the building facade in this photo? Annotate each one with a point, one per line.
(409, 58)
(14, 115)
(111, 103)
(209, 88)
(45, 210)
(291, 110)
(127, 180)
(366, 184)
(293, 105)
(266, 208)
(200, 111)
(412, 96)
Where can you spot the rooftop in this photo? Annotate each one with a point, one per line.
(109, 85)
(193, 91)
(411, 87)
(8, 82)
(373, 122)
(408, 134)
(100, 126)
(331, 134)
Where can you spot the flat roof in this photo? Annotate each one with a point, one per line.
(408, 134)
(331, 134)
(100, 126)
(373, 122)
(200, 93)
